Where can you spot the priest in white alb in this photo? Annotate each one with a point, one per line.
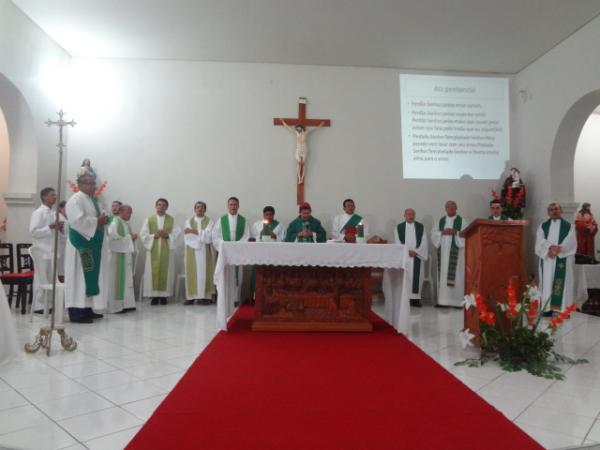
(159, 237)
(349, 225)
(445, 236)
(85, 254)
(555, 245)
(411, 237)
(199, 257)
(230, 227)
(42, 226)
(268, 229)
(121, 242)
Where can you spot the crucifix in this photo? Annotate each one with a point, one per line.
(44, 337)
(300, 128)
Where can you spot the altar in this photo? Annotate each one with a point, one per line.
(308, 287)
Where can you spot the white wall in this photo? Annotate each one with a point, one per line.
(4, 163)
(30, 92)
(554, 84)
(193, 130)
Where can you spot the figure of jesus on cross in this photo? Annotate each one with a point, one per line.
(301, 131)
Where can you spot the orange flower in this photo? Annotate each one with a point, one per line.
(495, 195)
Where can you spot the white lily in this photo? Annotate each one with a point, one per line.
(469, 301)
(466, 338)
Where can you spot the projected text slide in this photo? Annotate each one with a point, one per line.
(454, 126)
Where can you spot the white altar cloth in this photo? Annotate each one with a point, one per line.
(587, 276)
(387, 256)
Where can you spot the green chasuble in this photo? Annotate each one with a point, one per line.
(560, 267)
(159, 254)
(416, 260)
(297, 225)
(190, 264)
(452, 263)
(90, 252)
(240, 224)
(121, 265)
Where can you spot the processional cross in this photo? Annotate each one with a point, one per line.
(300, 126)
(44, 337)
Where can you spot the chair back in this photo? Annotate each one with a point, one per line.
(6, 258)
(24, 261)
(36, 255)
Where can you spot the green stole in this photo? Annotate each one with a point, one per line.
(269, 227)
(90, 252)
(239, 227)
(453, 259)
(160, 253)
(110, 219)
(416, 260)
(352, 222)
(502, 217)
(120, 266)
(560, 267)
(191, 268)
(240, 224)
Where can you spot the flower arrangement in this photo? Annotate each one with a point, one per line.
(512, 334)
(513, 201)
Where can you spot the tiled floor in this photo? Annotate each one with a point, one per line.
(99, 396)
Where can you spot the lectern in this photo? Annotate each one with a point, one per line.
(493, 255)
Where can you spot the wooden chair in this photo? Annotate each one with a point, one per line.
(23, 281)
(25, 265)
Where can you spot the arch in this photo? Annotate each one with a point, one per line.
(565, 144)
(23, 160)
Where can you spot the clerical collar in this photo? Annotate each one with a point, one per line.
(232, 215)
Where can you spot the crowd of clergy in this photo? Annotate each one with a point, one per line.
(97, 251)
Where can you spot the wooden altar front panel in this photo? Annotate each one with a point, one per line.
(292, 298)
(494, 254)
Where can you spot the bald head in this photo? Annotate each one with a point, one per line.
(125, 212)
(409, 215)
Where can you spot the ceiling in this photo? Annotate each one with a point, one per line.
(495, 36)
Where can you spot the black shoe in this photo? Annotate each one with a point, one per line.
(95, 316)
(39, 311)
(204, 301)
(547, 314)
(154, 301)
(163, 301)
(82, 320)
(415, 302)
(188, 302)
(121, 312)
(129, 309)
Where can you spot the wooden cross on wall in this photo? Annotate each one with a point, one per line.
(302, 121)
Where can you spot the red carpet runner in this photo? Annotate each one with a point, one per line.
(322, 391)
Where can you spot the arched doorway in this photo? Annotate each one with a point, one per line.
(565, 145)
(22, 154)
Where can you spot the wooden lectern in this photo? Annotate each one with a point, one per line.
(493, 254)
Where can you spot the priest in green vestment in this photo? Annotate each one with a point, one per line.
(305, 228)
(268, 229)
(114, 210)
(445, 236)
(349, 221)
(199, 257)
(159, 236)
(410, 236)
(555, 245)
(121, 241)
(230, 227)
